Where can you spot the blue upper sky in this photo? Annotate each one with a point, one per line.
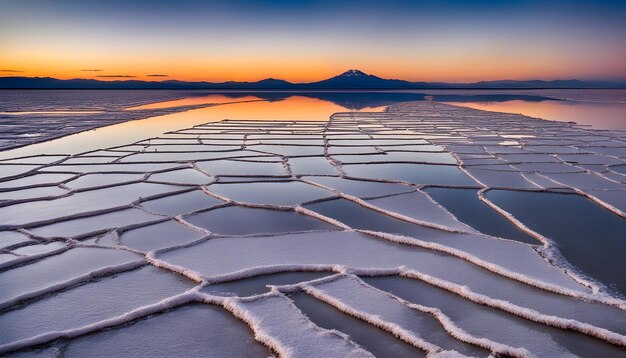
(308, 40)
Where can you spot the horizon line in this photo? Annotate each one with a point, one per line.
(135, 78)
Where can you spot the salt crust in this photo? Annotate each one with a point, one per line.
(553, 146)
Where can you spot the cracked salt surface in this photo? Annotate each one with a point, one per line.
(590, 237)
(379, 342)
(404, 232)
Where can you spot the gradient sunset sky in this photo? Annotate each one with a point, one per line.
(301, 41)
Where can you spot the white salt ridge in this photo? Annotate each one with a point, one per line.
(233, 168)
(102, 180)
(70, 282)
(25, 256)
(613, 200)
(589, 159)
(352, 296)
(183, 203)
(584, 181)
(111, 295)
(78, 204)
(357, 188)
(111, 168)
(42, 249)
(279, 193)
(331, 221)
(614, 176)
(541, 181)
(551, 280)
(50, 271)
(420, 207)
(144, 311)
(11, 171)
(160, 235)
(460, 261)
(499, 179)
(35, 159)
(163, 157)
(458, 289)
(280, 325)
(551, 252)
(534, 275)
(12, 238)
(449, 225)
(548, 168)
(181, 177)
(35, 180)
(203, 330)
(90, 225)
(34, 193)
(526, 313)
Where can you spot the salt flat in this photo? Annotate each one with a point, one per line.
(359, 213)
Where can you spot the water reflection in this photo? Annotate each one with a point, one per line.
(589, 236)
(69, 113)
(596, 115)
(192, 101)
(275, 105)
(363, 100)
(292, 108)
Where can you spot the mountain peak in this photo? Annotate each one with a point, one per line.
(353, 73)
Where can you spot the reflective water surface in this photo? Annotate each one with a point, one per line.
(589, 236)
(596, 115)
(224, 203)
(602, 109)
(292, 108)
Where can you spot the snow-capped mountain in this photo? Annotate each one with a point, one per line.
(355, 79)
(351, 79)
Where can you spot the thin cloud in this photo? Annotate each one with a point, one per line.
(91, 70)
(116, 76)
(11, 71)
(157, 75)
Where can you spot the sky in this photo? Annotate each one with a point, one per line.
(302, 41)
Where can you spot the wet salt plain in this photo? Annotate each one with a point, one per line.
(32, 116)
(425, 230)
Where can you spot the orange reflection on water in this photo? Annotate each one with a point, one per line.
(295, 108)
(67, 113)
(597, 115)
(191, 101)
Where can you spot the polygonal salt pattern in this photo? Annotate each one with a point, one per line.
(244, 238)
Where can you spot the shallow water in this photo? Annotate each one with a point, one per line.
(278, 193)
(467, 207)
(595, 115)
(589, 236)
(604, 109)
(228, 221)
(292, 108)
(198, 330)
(486, 322)
(425, 174)
(502, 289)
(359, 217)
(99, 300)
(206, 99)
(375, 340)
(259, 284)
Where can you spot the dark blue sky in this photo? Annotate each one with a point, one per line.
(304, 40)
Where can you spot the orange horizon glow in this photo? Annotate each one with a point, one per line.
(485, 71)
(310, 41)
(429, 69)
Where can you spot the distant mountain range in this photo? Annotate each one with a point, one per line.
(349, 80)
